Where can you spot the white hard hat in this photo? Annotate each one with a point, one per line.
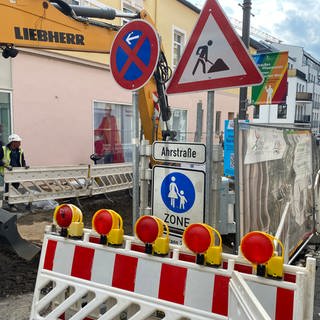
(14, 137)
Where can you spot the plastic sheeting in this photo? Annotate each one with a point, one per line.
(275, 168)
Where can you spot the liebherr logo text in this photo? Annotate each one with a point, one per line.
(48, 36)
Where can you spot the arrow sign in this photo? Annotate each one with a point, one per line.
(215, 57)
(130, 37)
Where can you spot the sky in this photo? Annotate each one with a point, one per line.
(293, 22)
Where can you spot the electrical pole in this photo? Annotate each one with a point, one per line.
(246, 7)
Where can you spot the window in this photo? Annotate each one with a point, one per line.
(230, 115)
(218, 120)
(178, 122)
(137, 4)
(113, 132)
(256, 112)
(282, 111)
(73, 2)
(5, 122)
(127, 9)
(178, 45)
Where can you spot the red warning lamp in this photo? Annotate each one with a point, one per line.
(257, 247)
(102, 223)
(108, 223)
(197, 238)
(200, 239)
(64, 216)
(69, 219)
(149, 229)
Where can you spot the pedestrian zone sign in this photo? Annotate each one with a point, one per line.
(215, 57)
(178, 197)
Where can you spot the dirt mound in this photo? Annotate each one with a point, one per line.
(17, 276)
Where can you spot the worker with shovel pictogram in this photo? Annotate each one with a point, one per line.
(202, 52)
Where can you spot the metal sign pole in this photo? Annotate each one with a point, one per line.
(135, 158)
(198, 134)
(237, 186)
(246, 6)
(208, 217)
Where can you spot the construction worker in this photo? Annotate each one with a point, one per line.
(12, 156)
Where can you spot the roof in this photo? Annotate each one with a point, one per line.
(190, 5)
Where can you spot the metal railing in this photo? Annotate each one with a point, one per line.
(49, 183)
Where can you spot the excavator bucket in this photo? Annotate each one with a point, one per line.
(9, 233)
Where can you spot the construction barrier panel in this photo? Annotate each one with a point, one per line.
(82, 279)
(51, 183)
(243, 303)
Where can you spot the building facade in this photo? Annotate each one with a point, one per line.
(57, 101)
(302, 107)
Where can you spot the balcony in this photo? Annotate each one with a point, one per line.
(303, 96)
(303, 119)
(297, 73)
(138, 4)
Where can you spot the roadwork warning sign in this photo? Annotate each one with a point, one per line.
(215, 57)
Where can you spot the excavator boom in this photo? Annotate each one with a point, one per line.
(40, 24)
(56, 25)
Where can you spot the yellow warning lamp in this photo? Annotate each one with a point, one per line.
(115, 236)
(275, 264)
(161, 244)
(69, 219)
(150, 229)
(200, 239)
(109, 225)
(258, 248)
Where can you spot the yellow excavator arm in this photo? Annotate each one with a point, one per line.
(57, 25)
(40, 24)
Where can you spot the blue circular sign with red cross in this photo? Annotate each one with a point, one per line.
(134, 54)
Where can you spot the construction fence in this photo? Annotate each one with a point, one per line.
(51, 183)
(277, 170)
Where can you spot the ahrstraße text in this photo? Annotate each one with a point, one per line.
(177, 152)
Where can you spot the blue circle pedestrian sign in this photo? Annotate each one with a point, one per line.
(134, 54)
(178, 197)
(177, 192)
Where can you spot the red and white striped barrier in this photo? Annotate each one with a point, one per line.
(85, 275)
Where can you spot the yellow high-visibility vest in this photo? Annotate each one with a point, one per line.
(7, 157)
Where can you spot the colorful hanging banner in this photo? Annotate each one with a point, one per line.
(274, 67)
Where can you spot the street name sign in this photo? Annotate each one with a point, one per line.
(179, 151)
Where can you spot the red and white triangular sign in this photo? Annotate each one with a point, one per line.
(215, 57)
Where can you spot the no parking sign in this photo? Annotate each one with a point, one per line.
(134, 54)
